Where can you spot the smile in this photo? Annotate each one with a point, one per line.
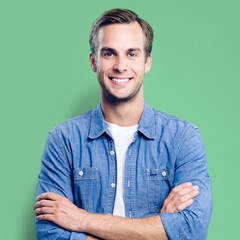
(119, 80)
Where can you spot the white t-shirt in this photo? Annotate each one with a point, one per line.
(122, 136)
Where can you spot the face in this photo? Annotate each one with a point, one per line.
(120, 62)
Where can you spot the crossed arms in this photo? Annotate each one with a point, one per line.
(61, 211)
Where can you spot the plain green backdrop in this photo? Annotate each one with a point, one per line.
(45, 79)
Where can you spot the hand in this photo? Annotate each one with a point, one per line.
(180, 198)
(58, 209)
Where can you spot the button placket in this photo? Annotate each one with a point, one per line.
(112, 177)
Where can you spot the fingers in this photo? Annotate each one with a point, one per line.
(186, 200)
(188, 193)
(184, 205)
(185, 194)
(181, 190)
(182, 186)
(43, 203)
(50, 196)
(46, 204)
(44, 207)
(46, 217)
(58, 209)
(177, 192)
(44, 210)
(180, 197)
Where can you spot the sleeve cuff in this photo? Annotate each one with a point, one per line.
(173, 227)
(78, 236)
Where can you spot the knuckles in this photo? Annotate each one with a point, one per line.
(181, 200)
(42, 203)
(166, 207)
(58, 205)
(175, 190)
(179, 209)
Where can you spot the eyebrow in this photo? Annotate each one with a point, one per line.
(106, 49)
(134, 50)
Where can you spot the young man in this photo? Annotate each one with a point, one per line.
(123, 170)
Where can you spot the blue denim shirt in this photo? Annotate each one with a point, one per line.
(79, 162)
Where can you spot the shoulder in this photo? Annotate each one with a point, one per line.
(172, 128)
(170, 121)
(77, 125)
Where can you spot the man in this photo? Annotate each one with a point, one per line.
(123, 170)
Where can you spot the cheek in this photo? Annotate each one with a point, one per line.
(139, 68)
(104, 67)
(137, 64)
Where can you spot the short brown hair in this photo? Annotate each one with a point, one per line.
(120, 16)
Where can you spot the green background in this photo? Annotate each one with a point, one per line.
(46, 79)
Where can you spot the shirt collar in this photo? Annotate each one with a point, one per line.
(146, 124)
(98, 125)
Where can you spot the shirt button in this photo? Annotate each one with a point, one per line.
(113, 185)
(111, 152)
(80, 173)
(164, 173)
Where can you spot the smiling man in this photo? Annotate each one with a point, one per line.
(123, 170)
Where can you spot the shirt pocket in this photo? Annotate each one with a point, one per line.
(159, 183)
(87, 188)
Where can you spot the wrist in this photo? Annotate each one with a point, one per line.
(83, 221)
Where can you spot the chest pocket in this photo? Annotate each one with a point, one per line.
(87, 188)
(159, 182)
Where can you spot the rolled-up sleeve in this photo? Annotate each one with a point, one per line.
(55, 176)
(191, 166)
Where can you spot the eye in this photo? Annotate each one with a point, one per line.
(132, 55)
(108, 54)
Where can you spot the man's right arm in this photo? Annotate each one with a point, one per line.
(55, 176)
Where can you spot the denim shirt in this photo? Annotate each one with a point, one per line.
(79, 162)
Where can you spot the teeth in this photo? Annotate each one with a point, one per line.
(120, 80)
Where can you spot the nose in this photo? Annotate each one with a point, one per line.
(120, 64)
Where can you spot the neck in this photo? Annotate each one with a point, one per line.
(123, 114)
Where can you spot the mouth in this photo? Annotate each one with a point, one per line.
(120, 80)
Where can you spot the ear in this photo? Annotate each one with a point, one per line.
(148, 63)
(92, 62)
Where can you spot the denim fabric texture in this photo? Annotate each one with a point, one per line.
(79, 162)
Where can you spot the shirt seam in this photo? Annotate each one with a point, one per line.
(60, 146)
(188, 130)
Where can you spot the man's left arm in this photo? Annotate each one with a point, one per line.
(191, 165)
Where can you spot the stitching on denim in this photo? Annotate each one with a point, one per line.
(184, 236)
(60, 145)
(168, 117)
(189, 129)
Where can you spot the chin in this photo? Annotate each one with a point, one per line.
(113, 99)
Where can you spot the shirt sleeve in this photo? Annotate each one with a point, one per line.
(55, 176)
(191, 166)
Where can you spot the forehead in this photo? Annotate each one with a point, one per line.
(124, 35)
